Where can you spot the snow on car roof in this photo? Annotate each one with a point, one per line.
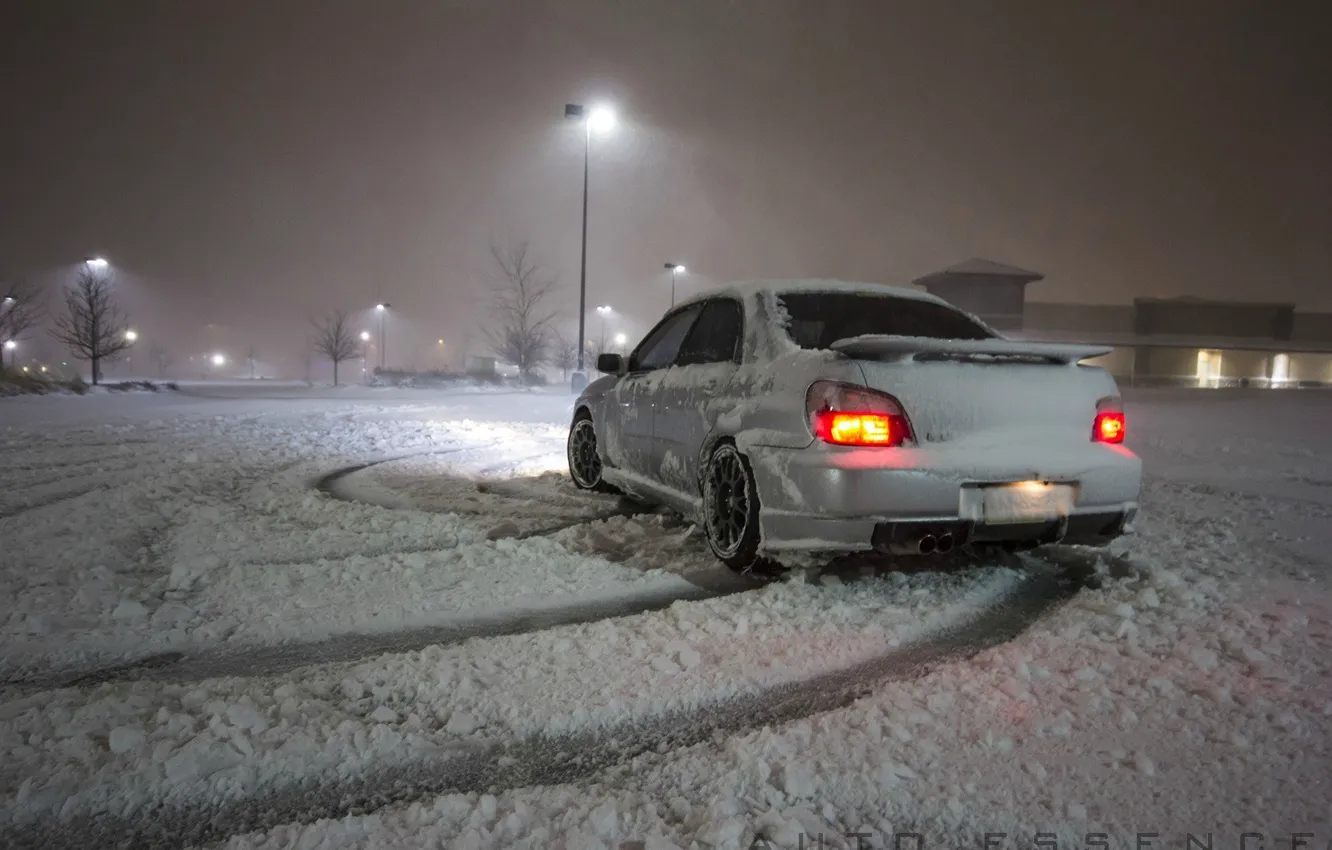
(743, 289)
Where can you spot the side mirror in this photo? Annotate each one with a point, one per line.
(610, 364)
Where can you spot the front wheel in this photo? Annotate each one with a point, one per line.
(731, 508)
(585, 458)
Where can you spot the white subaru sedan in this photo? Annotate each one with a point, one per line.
(834, 417)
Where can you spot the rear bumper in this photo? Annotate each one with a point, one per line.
(824, 498)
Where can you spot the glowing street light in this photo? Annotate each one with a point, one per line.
(674, 269)
(219, 360)
(97, 264)
(365, 336)
(10, 345)
(602, 120)
(131, 335)
(620, 340)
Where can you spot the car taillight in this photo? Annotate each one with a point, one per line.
(850, 415)
(1109, 425)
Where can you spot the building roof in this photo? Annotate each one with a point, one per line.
(1202, 341)
(1198, 301)
(742, 289)
(980, 268)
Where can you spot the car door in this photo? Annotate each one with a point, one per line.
(629, 446)
(693, 391)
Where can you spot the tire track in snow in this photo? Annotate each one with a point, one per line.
(270, 660)
(19, 510)
(536, 761)
(329, 485)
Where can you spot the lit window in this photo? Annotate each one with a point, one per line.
(1281, 369)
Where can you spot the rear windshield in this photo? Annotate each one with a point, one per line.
(818, 319)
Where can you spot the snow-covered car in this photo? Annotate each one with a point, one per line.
(830, 416)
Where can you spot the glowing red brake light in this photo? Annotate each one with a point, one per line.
(850, 415)
(854, 429)
(1109, 425)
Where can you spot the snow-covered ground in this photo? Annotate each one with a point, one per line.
(278, 616)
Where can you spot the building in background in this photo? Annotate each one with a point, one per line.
(1156, 341)
(993, 291)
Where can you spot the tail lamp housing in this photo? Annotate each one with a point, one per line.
(852, 415)
(1109, 426)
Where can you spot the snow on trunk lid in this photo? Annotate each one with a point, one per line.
(949, 399)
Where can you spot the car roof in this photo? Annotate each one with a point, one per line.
(749, 288)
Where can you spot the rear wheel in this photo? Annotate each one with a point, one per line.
(584, 456)
(731, 508)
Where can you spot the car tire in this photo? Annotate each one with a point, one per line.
(584, 455)
(731, 509)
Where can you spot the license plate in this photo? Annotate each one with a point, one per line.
(1025, 501)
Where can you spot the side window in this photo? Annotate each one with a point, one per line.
(715, 337)
(661, 346)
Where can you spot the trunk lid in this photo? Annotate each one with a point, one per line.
(954, 390)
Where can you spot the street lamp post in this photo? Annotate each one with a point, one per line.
(381, 309)
(604, 310)
(9, 344)
(674, 269)
(365, 343)
(598, 118)
(131, 336)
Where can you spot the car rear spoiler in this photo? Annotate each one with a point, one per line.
(882, 347)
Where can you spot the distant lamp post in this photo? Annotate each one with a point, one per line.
(602, 120)
(604, 310)
(620, 340)
(131, 336)
(674, 269)
(381, 308)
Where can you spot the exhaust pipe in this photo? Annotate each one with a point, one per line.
(926, 545)
(945, 544)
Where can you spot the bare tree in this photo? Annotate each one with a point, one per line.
(335, 339)
(591, 351)
(21, 308)
(521, 334)
(564, 354)
(161, 357)
(92, 326)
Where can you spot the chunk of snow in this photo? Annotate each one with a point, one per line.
(462, 723)
(125, 738)
(128, 609)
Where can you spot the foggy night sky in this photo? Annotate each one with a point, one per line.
(255, 163)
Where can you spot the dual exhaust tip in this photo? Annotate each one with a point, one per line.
(929, 544)
(919, 541)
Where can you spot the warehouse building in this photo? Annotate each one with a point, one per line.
(1156, 341)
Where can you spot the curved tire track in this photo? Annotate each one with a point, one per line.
(269, 660)
(549, 761)
(328, 484)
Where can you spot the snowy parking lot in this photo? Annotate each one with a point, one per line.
(291, 617)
